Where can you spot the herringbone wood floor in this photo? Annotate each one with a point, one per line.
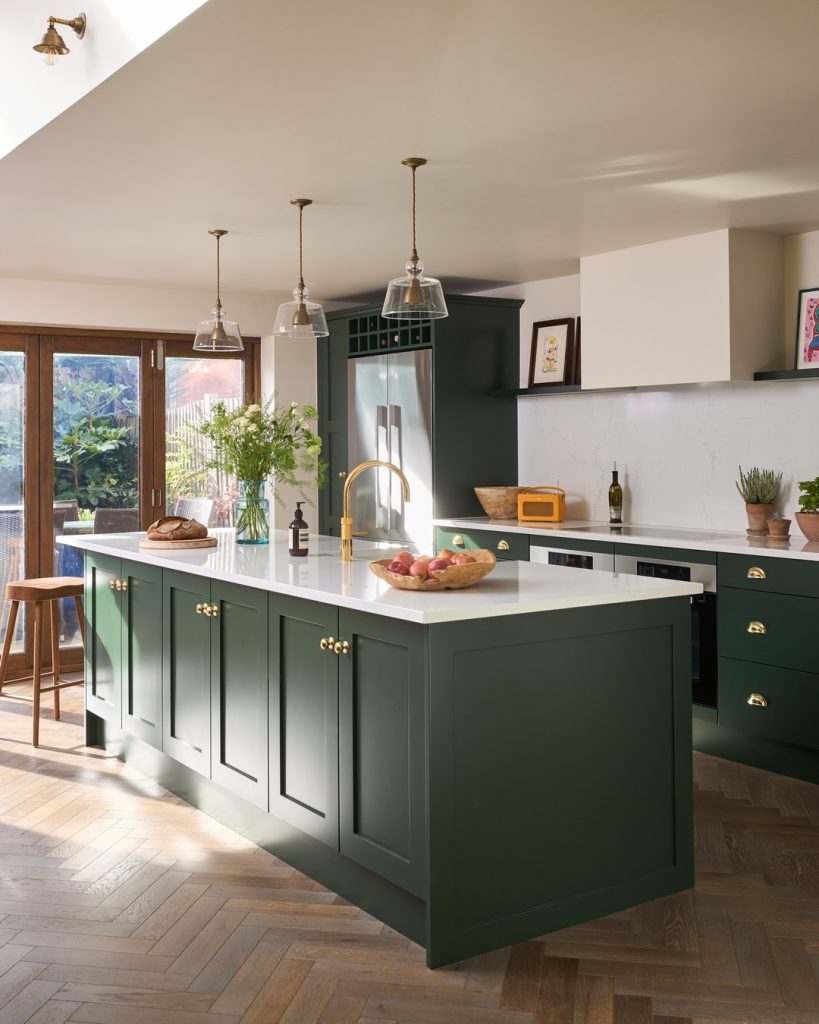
(120, 904)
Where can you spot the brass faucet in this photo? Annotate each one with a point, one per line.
(346, 518)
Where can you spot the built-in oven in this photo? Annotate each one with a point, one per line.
(580, 557)
(703, 615)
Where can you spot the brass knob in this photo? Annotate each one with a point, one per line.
(756, 627)
(341, 647)
(123, 585)
(200, 609)
(755, 573)
(342, 474)
(324, 643)
(113, 584)
(503, 545)
(458, 541)
(214, 610)
(756, 700)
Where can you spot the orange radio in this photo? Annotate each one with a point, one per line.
(544, 504)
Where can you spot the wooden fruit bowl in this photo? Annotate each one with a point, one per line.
(456, 577)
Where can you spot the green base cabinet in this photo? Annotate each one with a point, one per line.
(103, 638)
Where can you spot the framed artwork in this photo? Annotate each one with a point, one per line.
(807, 330)
(552, 359)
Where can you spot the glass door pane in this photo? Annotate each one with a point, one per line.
(96, 457)
(192, 385)
(12, 417)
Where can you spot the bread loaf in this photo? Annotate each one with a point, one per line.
(176, 528)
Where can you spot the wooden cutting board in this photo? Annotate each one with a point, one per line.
(199, 542)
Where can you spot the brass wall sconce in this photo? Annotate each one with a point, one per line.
(52, 45)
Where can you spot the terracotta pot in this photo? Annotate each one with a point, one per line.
(779, 529)
(758, 516)
(808, 523)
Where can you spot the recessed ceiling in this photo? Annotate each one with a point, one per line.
(553, 130)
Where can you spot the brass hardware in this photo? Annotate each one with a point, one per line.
(342, 475)
(156, 496)
(346, 518)
(113, 584)
(756, 627)
(503, 545)
(52, 45)
(218, 334)
(756, 700)
(458, 541)
(200, 609)
(214, 610)
(755, 573)
(341, 647)
(324, 643)
(123, 585)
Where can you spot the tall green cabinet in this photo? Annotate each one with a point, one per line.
(475, 351)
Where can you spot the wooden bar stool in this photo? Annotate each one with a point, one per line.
(51, 590)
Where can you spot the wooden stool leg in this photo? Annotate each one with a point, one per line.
(53, 607)
(38, 638)
(12, 622)
(80, 618)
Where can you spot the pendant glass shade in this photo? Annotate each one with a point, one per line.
(415, 297)
(301, 318)
(218, 334)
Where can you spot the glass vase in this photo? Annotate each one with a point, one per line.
(251, 513)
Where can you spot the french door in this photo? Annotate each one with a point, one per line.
(100, 434)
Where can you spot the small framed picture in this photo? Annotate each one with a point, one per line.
(552, 360)
(807, 330)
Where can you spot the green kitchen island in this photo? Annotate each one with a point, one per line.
(472, 767)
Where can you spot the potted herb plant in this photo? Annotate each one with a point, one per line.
(254, 442)
(778, 527)
(808, 515)
(759, 488)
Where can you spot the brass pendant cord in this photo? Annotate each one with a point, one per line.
(414, 256)
(301, 247)
(218, 276)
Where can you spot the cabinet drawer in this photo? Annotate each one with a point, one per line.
(791, 714)
(771, 575)
(514, 546)
(772, 629)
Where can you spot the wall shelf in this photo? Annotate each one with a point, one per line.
(787, 374)
(560, 389)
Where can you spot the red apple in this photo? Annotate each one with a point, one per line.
(419, 568)
(399, 567)
(439, 563)
(406, 557)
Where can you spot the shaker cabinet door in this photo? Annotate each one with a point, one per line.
(141, 601)
(186, 670)
(304, 716)
(103, 639)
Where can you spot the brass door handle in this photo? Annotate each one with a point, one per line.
(458, 541)
(755, 573)
(756, 700)
(503, 545)
(326, 643)
(756, 627)
(200, 609)
(341, 647)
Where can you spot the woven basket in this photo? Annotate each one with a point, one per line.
(456, 577)
(499, 502)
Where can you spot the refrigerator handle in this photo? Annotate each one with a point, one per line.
(397, 458)
(382, 452)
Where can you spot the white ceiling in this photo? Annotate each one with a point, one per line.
(553, 129)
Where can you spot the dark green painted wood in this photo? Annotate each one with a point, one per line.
(239, 691)
(649, 553)
(518, 543)
(704, 713)
(551, 540)
(186, 670)
(792, 713)
(784, 575)
(332, 425)
(514, 795)
(790, 640)
(304, 716)
(103, 657)
(784, 758)
(142, 652)
(381, 747)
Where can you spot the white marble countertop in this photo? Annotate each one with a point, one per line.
(513, 588)
(649, 536)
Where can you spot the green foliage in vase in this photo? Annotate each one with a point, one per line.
(255, 441)
(758, 486)
(809, 498)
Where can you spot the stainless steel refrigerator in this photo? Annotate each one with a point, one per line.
(389, 411)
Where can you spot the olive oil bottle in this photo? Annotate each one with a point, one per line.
(615, 499)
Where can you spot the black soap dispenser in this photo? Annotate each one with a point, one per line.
(299, 536)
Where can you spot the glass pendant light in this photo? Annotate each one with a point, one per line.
(218, 334)
(414, 297)
(301, 318)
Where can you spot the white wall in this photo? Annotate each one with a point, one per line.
(678, 448)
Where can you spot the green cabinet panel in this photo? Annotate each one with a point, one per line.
(304, 716)
(505, 546)
(779, 575)
(790, 713)
(772, 629)
(186, 670)
(141, 606)
(103, 638)
(239, 691)
(382, 748)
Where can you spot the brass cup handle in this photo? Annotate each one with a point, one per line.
(755, 573)
(756, 700)
(458, 541)
(341, 647)
(503, 545)
(756, 627)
